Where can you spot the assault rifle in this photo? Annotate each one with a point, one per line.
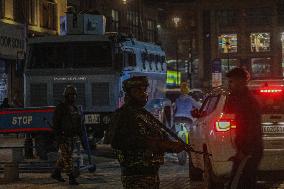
(187, 147)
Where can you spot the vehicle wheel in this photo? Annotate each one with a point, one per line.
(92, 169)
(195, 174)
(182, 156)
(208, 175)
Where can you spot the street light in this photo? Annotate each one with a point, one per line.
(176, 21)
(124, 2)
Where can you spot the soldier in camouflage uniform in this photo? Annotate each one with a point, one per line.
(138, 140)
(66, 127)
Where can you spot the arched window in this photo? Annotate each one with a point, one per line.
(157, 61)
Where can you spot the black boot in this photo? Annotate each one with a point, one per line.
(72, 180)
(57, 175)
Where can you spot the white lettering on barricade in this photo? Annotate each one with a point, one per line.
(22, 120)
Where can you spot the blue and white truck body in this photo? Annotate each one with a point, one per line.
(96, 65)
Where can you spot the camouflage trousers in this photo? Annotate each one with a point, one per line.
(65, 160)
(140, 182)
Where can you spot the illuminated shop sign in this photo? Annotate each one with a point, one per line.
(173, 77)
(228, 43)
(260, 42)
(11, 40)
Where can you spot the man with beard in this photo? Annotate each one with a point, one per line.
(248, 141)
(137, 138)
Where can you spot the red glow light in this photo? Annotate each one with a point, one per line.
(271, 90)
(223, 125)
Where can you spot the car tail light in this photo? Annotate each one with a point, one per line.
(270, 90)
(225, 123)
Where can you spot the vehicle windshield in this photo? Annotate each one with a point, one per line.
(70, 55)
(154, 104)
(270, 102)
(197, 95)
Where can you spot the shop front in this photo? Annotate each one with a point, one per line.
(12, 48)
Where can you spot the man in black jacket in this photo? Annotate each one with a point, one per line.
(66, 127)
(248, 139)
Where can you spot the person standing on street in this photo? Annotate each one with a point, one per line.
(137, 138)
(184, 104)
(66, 127)
(248, 141)
(16, 102)
(5, 104)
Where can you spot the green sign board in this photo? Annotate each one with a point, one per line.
(173, 78)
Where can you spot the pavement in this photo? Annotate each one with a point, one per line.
(107, 175)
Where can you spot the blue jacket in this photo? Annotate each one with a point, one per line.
(184, 105)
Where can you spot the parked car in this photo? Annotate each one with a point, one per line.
(214, 131)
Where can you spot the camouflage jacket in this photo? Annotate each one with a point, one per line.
(66, 124)
(132, 126)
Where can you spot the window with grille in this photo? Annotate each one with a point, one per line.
(1, 9)
(258, 16)
(115, 20)
(25, 11)
(38, 94)
(48, 10)
(227, 17)
(100, 94)
(133, 23)
(151, 30)
(280, 13)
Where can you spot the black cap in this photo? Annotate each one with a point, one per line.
(238, 73)
(135, 81)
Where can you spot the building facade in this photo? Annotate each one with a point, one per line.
(240, 33)
(177, 32)
(20, 20)
(232, 33)
(132, 17)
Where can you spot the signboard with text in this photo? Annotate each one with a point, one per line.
(26, 119)
(11, 40)
(173, 78)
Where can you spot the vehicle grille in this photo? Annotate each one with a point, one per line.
(38, 94)
(58, 89)
(100, 94)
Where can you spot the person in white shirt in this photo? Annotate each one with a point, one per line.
(184, 104)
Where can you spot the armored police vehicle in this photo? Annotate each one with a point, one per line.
(96, 65)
